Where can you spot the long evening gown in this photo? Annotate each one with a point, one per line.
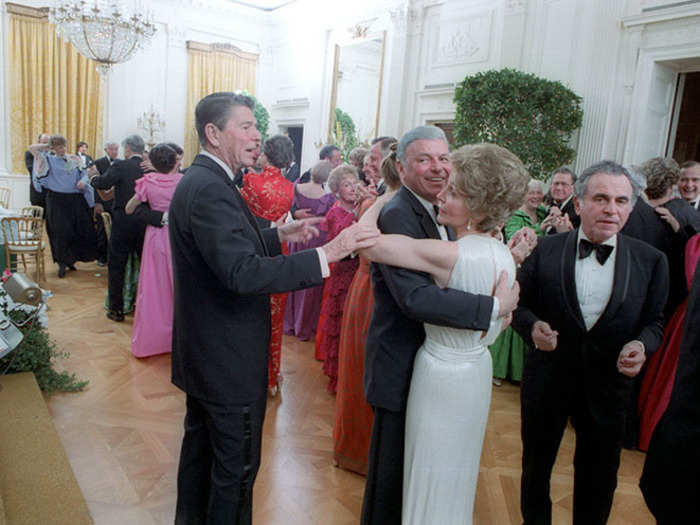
(449, 397)
(153, 320)
(304, 306)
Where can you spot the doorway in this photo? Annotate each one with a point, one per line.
(686, 144)
(296, 134)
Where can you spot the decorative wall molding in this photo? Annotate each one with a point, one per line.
(221, 47)
(291, 103)
(25, 10)
(513, 7)
(672, 32)
(664, 15)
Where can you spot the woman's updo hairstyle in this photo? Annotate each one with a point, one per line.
(163, 157)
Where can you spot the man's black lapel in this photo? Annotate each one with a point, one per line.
(426, 221)
(568, 278)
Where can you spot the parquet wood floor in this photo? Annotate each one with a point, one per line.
(122, 435)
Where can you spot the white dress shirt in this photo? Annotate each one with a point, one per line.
(322, 259)
(594, 282)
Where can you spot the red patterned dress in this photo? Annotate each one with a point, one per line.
(337, 219)
(269, 196)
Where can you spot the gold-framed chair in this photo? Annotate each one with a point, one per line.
(24, 237)
(5, 194)
(32, 211)
(107, 221)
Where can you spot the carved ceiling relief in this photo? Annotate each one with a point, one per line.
(462, 41)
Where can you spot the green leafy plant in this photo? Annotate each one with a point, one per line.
(531, 116)
(345, 133)
(35, 354)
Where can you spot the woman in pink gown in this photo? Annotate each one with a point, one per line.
(153, 320)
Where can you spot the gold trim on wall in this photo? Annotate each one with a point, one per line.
(221, 48)
(25, 10)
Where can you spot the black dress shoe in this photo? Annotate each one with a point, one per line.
(61, 271)
(115, 315)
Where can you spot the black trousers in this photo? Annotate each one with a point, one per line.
(127, 237)
(70, 228)
(384, 487)
(219, 460)
(549, 396)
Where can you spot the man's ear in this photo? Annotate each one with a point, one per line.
(577, 205)
(212, 134)
(399, 167)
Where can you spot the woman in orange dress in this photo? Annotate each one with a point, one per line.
(353, 415)
(269, 196)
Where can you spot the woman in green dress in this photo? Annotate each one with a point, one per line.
(508, 350)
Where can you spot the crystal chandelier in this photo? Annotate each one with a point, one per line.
(101, 31)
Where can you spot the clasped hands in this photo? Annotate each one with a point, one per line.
(522, 243)
(557, 220)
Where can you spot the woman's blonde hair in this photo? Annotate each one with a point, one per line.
(339, 173)
(492, 180)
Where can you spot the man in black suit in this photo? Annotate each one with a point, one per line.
(127, 231)
(36, 198)
(403, 301)
(689, 182)
(81, 152)
(329, 152)
(591, 305)
(562, 214)
(381, 147)
(224, 269)
(101, 205)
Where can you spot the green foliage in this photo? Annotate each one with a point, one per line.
(532, 117)
(261, 115)
(35, 354)
(345, 133)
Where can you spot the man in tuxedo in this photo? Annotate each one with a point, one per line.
(381, 147)
(689, 182)
(403, 301)
(329, 152)
(562, 214)
(224, 268)
(101, 205)
(127, 231)
(591, 305)
(36, 198)
(81, 152)
(111, 153)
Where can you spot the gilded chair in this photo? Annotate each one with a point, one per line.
(32, 211)
(23, 238)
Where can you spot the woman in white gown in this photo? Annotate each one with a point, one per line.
(450, 389)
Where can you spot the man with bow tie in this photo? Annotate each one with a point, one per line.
(591, 305)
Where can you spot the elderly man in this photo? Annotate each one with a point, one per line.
(127, 231)
(224, 269)
(591, 305)
(689, 182)
(562, 214)
(381, 147)
(103, 204)
(403, 301)
(329, 152)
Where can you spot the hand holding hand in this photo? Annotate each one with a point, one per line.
(356, 237)
(563, 224)
(299, 231)
(522, 243)
(668, 217)
(507, 296)
(631, 359)
(543, 336)
(146, 165)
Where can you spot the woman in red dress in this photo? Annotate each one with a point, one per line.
(353, 415)
(269, 196)
(342, 182)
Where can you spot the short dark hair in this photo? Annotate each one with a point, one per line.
(384, 144)
(79, 145)
(690, 164)
(163, 157)
(567, 170)
(279, 150)
(327, 151)
(176, 147)
(216, 109)
(607, 167)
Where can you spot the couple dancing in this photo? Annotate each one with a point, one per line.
(445, 304)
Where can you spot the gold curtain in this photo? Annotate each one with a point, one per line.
(53, 88)
(213, 68)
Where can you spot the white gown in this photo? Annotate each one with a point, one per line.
(448, 402)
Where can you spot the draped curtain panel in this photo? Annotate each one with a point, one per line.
(53, 88)
(213, 68)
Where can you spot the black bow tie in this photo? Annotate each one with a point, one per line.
(602, 251)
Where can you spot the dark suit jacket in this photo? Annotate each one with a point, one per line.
(570, 210)
(292, 173)
(403, 301)
(122, 174)
(548, 293)
(224, 269)
(102, 164)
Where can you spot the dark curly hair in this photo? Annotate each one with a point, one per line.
(661, 174)
(163, 157)
(279, 150)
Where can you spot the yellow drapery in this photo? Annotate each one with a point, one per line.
(213, 68)
(53, 88)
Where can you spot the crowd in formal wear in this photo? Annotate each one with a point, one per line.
(424, 277)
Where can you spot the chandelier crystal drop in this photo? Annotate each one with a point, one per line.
(101, 31)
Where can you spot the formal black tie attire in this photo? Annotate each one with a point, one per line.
(36, 198)
(579, 378)
(224, 268)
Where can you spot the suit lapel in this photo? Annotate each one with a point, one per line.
(568, 278)
(426, 221)
(621, 282)
(206, 162)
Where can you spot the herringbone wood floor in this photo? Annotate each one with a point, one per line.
(122, 434)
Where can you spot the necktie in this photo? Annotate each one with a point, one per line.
(602, 251)
(436, 209)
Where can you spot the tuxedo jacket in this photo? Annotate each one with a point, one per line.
(634, 312)
(122, 174)
(102, 164)
(570, 210)
(224, 268)
(403, 301)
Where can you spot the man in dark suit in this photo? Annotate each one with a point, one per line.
(224, 268)
(292, 172)
(403, 301)
(329, 152)
(127, 231)
(36, 198)
(591, 305)
(562, 214)
(381, 147)
(101, 205)
(689, 182)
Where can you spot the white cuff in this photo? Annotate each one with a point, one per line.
(494, 310)
(323, 261)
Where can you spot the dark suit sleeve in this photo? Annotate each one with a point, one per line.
(524, 317)
(109, 178)
(145, 215)
(29, 161)
(219, 228)
(272, 241)
(652, 332)
(418, 296)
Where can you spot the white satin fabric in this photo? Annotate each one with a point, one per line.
(449, 399)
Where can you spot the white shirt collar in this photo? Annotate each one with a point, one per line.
(218, 161)
(566, 201)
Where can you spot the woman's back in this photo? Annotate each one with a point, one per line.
(157, 189)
